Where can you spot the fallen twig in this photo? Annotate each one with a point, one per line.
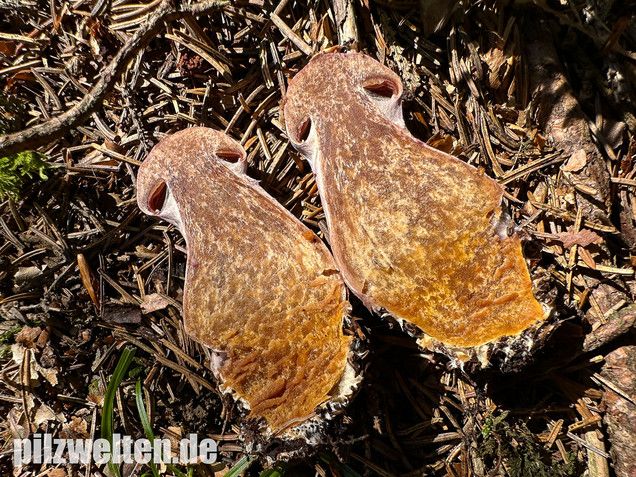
(60, 125)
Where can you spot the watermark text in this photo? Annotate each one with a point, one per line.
(44, 449)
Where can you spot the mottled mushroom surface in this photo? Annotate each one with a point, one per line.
(415, 231)
(260, 288)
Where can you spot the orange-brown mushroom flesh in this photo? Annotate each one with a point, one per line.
(261, 289)
(411, 228)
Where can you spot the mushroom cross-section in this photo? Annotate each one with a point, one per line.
(261, 289)
(415, 232)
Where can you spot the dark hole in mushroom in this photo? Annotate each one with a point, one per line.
(157, 197)
(229, 156)
(385, 89)
(304, 130)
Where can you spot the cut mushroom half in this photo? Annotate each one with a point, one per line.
(261, 290)
(417, 234)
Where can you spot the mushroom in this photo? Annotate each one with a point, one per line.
(261, 289)
(418, 235)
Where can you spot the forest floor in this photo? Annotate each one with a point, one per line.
(538, 94)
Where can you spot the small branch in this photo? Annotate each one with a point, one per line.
(345, 17)
(54, 128)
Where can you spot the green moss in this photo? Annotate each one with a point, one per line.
(8, 336)
(137, 369)
(16, 168)
(7, 339)
(95, 388)
(514, 445)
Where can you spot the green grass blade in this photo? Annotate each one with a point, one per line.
(108, 421)
(145, 422)
(150, 435)
(240, 466)
(277, 471)
(177, 472)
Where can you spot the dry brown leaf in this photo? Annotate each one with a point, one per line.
(79, 427)
(26, 274)
(44, 414)
(43, 338)
(583, 238)
(441, 142)
(122, 314)
(174, 436)
(154, 302)
(496, 60)
(576, 162)
(50, 374)
(539, 141)
(96, 393)
(27, 336)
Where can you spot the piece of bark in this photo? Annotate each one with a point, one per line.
(560, 116)
(617, 325)
(416, 232)
(620, 415)
(14, 6)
